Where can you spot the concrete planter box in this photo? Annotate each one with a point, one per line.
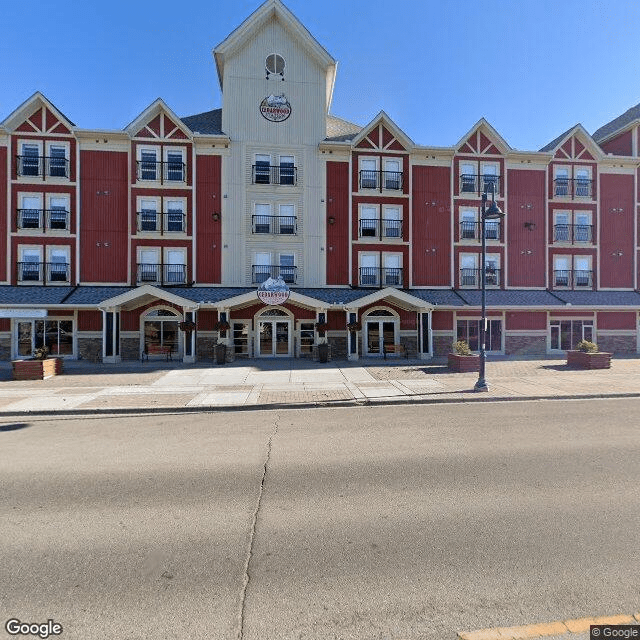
(583, 360)
(36, 369)
(464, 364)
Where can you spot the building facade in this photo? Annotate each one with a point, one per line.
(116, 241)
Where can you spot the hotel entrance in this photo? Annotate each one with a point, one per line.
(273, 330)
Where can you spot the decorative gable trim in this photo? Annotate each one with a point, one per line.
(483, 139)
(159, 122)
(38, 115)
(382, 134)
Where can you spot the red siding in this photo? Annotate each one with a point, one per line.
(431, 221)
(207, 319)
(3, 211)
(338, 233)
(442, 320)
(524, 320)
(104, 216)
(89, 321)
(616, 231)
(620, 145)
(617, 320)
(208, 231)
(526, 205)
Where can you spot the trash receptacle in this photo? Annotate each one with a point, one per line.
(323, 352)
(221, 353)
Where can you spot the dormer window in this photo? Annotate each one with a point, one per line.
(274, 66)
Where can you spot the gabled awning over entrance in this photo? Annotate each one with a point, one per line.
(143, 295)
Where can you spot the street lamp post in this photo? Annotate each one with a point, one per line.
(492, 213)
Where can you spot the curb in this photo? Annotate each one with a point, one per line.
(324, 404)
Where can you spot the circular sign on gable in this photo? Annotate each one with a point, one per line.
(273, 291)
(275, 108)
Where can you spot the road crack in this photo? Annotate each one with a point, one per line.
(246, 579)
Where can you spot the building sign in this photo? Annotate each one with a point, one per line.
(23, 313)
(273, 291)
(275, 108)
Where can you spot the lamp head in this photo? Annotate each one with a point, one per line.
(493, 212)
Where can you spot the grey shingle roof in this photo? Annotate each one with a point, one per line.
(511, 298)
(34, 296)
(617, 123)
(209, 122)
(554, 143)
(94, 295)
(597, 299)
(339, 130)
(439, 297)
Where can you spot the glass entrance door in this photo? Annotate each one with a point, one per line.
(379, 334)
(274, 338)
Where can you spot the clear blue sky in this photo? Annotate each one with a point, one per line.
(533, 68)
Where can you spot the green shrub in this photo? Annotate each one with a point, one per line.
(462, 348)
(587, 347)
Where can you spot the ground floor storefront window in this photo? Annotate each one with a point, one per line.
(469, 330)
(56, 335)
(565, 334)
(161, 330)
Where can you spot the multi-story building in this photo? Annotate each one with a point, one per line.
(114, 238)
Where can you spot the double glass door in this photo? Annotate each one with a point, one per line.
(274, 338)
(379, 334)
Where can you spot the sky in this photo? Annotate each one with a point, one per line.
(532, 68)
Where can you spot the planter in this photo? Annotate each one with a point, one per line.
(584, 360)
(464, 364)
(323, 352)
(220, 351)
(36, 369)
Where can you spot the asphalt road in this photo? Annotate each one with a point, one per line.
(379, 522)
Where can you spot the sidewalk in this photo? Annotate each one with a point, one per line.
(257, 384)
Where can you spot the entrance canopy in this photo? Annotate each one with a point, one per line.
(146, 294)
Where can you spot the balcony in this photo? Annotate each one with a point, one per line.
(262, 272)
(169, 171)
(42, 166)
(381, 180)
(380, 228)
(285, 174)
(477, 184)
(42, 219)
(277, 225)
(572, 188)
(576, 279)
(172, 222)
(380, 277)
(162, 274)
(470, 230)
(470, 278)
(44, 272)
(573, 233)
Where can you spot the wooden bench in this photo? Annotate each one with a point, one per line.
(397, 349)
(156, 350)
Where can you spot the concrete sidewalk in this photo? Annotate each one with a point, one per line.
(257, 384)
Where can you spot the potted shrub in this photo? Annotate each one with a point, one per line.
(354, 326)
(587, 356)
(37, 368)
(220, 352)
(187, 326)
(462, 359)
(222, 325)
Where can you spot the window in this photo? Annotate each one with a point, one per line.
(29, 160)
(148, 165)
(30, 212)
(307, 338)
(287, 170)
(392, 174)
(58, 213)
(565, 334)
(468, 224)
(287, 219)
(262, 218)
(274, 65)
(262, 169)
(368, 221)
(174, 165)
(582, 178)
(582, 271)
(174, 220)
(30, 266)
(287, 267)
(467, 177)
(148, 265)
(469, 330)
(174, 268)
(561, 271)
(561, 181)
(368, 173)
(492, 268)
(392, 276)
(392, 222)
(369, 269)
(582, 230)
(148, 217)
(57, 161)
(490, 178)
(58, 264)
(561, 227)
(469, 270)
(262, 267)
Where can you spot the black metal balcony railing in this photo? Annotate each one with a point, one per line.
(573, 233)
(471, 277)
(44, 272)
(171, 222)
(479, 183)
(286, 174)
(262, 272)
(164, 274)
(280, 225)
(167, 171)
(380, 277)
(42, 219)
(576, 279)
(470, 230)
(389, 180)
(380, 228)
(42, 166)
(572, 188)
